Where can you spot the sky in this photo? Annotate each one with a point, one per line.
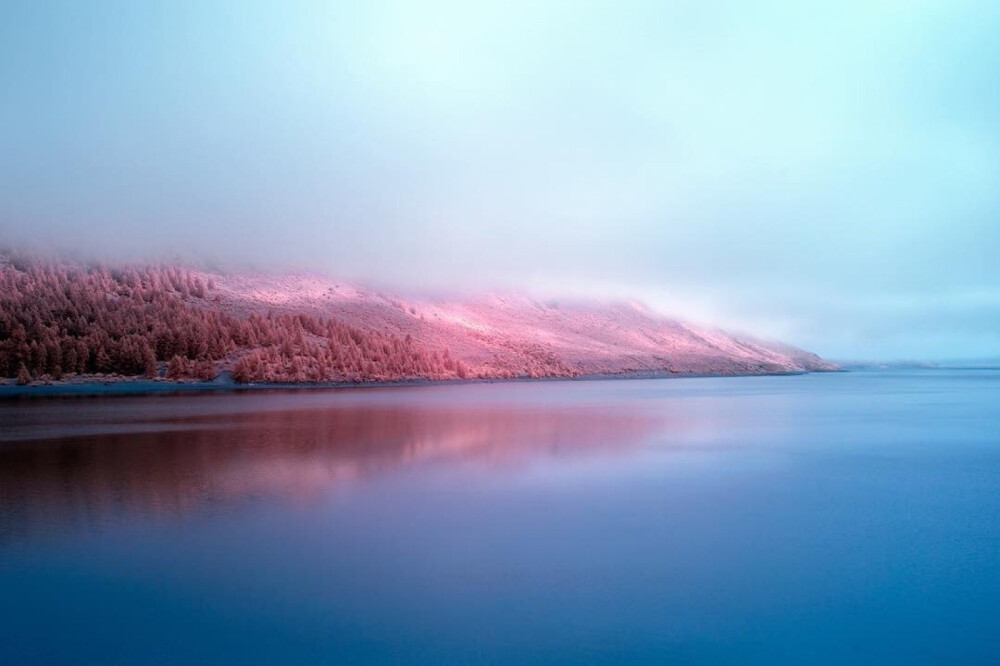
(823, 173)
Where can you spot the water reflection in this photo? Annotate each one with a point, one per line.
(159, 459)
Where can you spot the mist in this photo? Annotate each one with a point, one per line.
(825, 175)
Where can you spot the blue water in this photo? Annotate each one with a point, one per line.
(845, 518)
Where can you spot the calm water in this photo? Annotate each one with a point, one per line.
(839, 518)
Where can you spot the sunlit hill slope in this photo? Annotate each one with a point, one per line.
(61, 320)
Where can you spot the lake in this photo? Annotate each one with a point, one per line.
(841, 518)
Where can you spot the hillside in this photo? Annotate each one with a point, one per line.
(61, 319)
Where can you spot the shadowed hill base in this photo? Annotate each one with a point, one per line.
(60, 319)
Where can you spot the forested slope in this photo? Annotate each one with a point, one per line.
(61, 319)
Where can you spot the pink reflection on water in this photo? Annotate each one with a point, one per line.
(165, 464)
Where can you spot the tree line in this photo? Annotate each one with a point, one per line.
(59, 319)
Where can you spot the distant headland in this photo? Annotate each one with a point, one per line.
(68, 323)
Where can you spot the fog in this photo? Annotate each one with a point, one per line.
(822, 174)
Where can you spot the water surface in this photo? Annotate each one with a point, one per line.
(830, 518)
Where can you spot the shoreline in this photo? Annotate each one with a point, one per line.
(141, 387)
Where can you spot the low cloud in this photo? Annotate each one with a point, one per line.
(823, 176)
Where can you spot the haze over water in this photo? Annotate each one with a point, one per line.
(826, 518)
(820, 173)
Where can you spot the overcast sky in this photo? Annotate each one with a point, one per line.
(825, 173)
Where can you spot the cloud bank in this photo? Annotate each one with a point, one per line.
(825, 173)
